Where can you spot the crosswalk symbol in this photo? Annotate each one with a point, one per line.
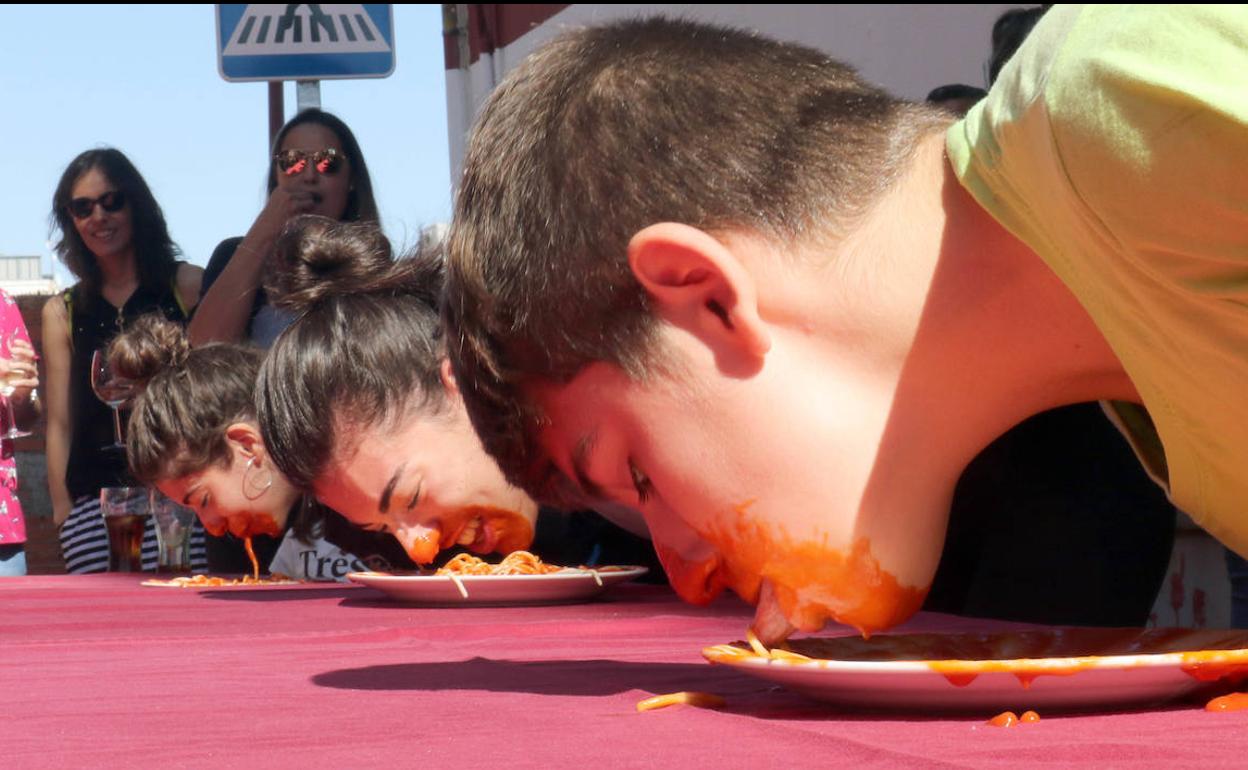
(308, 41)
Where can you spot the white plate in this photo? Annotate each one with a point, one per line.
(1060, 668)
(569, 585)
(285, 584)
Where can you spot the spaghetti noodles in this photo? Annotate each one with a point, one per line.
(515, 563)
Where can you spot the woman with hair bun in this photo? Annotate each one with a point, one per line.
(357, 403)
(193, 435)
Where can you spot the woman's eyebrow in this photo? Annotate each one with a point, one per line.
(383, 505)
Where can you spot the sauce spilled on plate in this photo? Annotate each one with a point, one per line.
(1206, 655)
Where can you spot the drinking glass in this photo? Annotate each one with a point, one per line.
(8, 386)
(125, 511)
(110, 389)
(173, 534)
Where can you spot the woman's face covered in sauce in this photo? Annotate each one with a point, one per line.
(426, 479)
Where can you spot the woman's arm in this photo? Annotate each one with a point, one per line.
(56, 355)
(188, 281)
(223, 313)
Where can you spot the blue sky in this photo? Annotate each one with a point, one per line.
(144, 79)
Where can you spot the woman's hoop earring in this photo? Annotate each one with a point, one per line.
(253, 489)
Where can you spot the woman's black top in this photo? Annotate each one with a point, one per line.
(93, 463)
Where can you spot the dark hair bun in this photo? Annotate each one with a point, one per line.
(150, 346)
(317, 257)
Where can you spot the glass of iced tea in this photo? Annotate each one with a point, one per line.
(125, 511)
(174, 524)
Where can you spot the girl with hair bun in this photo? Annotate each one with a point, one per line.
(193, 435)
(357, 404)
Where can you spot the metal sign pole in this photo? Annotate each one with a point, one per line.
(307, 95)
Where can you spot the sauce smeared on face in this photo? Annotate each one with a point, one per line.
(813, 581)
(494, 530)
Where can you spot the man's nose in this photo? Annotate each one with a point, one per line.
(692, 564)
(697, 579)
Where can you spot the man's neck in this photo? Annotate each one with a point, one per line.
(999, 335)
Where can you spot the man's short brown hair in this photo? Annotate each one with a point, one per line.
(607, 130)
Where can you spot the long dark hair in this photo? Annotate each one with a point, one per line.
(365, 349)
(361, 206)
(154, 251)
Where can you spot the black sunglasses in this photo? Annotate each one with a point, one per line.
(111, 201)
(293, 162)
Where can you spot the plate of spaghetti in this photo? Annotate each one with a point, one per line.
(1064, 669)
(252, 581)
(221, 581)
(520, 578)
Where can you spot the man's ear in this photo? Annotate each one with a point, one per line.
(245, 439)
(699, 285)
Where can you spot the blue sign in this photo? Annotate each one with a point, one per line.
(311, 41)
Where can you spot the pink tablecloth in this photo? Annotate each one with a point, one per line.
(97, 671)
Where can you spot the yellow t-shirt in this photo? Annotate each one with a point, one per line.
(1115, 145)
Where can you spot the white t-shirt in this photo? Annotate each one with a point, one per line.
(319, 560)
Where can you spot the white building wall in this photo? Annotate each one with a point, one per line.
(907, 49)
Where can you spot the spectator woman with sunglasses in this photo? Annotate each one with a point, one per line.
(115, 242)
(316, 168)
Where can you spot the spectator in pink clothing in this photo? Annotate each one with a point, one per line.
(17, 368)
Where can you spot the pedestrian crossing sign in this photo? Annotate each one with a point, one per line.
(310, 41)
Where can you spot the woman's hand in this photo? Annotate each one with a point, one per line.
(284, 204)
(19, 370)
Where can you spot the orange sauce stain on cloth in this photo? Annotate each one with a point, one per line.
(813, 581)
(1236, 701)
(1004, 719)
(1010, 719)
